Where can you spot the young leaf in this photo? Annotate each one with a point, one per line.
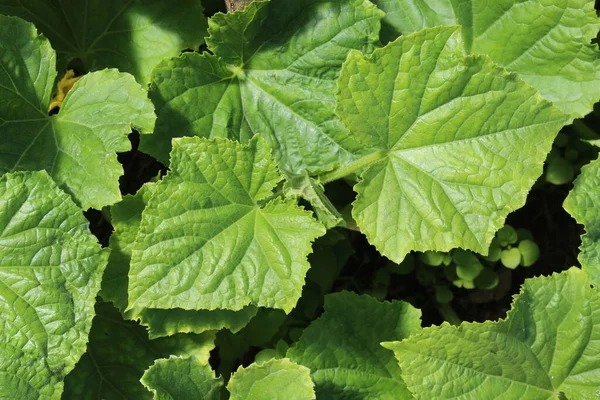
(583, 203)
(78, 146)
(182, 378)
(50, 271)
(455, 143)
(547, 43)
(342, 348)
(119, 352)
(275, 379)
(126, 217)
(273, 72)
(210, 238)
(546, 348)
(131, 36)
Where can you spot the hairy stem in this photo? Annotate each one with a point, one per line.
(235, 5)
(351, 168)
(448, 313)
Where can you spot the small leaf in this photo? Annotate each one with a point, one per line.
(182, 378)
(530, 252)
(510, 258)
(275, 379)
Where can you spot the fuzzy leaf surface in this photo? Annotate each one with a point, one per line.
(546, 42)
(211, 239)
(275, 379)
(342, 348)
(273, 72)
(547, 348)
(50, 272)
(182, 378)
(583, 203)
(132, 36)
(119, 352)
(455, 143)
(78, 146)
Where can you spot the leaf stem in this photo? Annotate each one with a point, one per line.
(449, 314)
(353, 167)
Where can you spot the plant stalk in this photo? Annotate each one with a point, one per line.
(449, 314)
(351, 168)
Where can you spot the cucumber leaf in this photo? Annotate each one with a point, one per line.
(546, 348)
(78, 146)
(182, 378)
(273, 72)
(126, 217)
(342, 349)
(583, 203)
(210, 237)
(50, 272)
(546, 42)
(275, 379)
(119, 352)
(455, 143)
(132, 36)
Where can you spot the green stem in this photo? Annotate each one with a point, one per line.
(449, 314)
(351, 168)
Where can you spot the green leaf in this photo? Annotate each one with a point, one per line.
(342, 348)
(547, 348)
(407, 16)
(50, 272)
(182, 378)
(273, 72)
(546, 42)
(126, 217)
(132, 36)
(119, 352)
(274, 379)
(78, 145)
(455, 144)
(583, 203)
(210, 238)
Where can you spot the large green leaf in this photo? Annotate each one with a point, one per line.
(50, 271)
(273, 72)
(342, 349)
(547, 348)
(119, 352)
(546, 42)
(274, 380)
(78, 145)
(583, 203)
(455, 143)
(182, 379)
(131, 35)
(126, 217)
(210, 238)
